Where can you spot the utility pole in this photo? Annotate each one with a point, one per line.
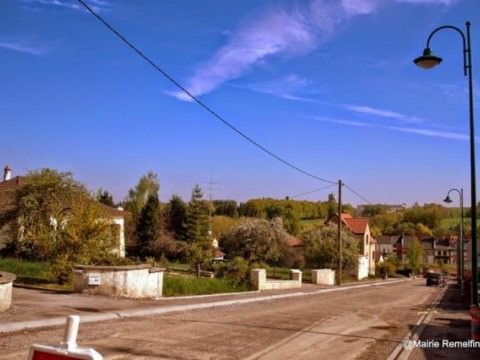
(340, 245)
(211, 189)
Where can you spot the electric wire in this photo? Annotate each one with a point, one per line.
(198, 101)
(357, 194)
(313, 191)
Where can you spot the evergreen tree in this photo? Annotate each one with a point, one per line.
(291, 221)
(197, 221)
(104, 197)
(148, 225)
(197, 230)
(332, 205)
(176, 217)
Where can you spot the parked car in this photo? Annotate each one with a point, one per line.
(435, 279)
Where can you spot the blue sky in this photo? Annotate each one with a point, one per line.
(327, 85)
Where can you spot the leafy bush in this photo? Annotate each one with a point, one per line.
(386, 267)
(236, 270)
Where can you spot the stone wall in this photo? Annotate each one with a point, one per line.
(136, 281)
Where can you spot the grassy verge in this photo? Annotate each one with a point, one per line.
(35, 273)
(181, 286)
(28, 272)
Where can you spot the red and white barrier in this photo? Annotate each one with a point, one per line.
(68, 349)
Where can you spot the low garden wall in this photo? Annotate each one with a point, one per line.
(323, 277)
(258, 278)
(132, 281)
(6, 283)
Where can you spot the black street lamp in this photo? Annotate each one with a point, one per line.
(427, 61)
(460, 251)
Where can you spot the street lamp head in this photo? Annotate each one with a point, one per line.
(427, 60)
(447, 199)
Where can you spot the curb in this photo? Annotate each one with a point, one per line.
(159, 310)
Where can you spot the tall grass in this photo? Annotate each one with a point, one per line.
(181, 286)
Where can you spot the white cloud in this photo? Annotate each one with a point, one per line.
(96, 5)
(23, 48)
(288, 87)
(431, 132)
(340, 121)
(441, 2)
(359, 7)
(278, 32)
(450, 135)
(367, 110)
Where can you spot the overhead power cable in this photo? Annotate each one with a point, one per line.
(356, 193)
(198, 101)
(313, 191)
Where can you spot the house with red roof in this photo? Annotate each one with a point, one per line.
(8, 188)
(360, 229)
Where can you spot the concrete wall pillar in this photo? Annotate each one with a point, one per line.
(296, 275)
(258, 278)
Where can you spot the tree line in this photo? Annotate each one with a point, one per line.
(59, 223)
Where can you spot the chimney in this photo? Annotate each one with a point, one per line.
(7, 173)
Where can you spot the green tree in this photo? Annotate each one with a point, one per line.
(226, 208)
(222, 225)
(176, 217)
(85, 235)
(386, 223)
(430, 215)
(422, 231)
(138, 196)
(197, 230)
(291, 220)
(257, 241)
(197, 221)
(414, 255)
(321, 248)
(373, 210)
(332, 205)
(104, 197)
(148, 226)
(56, 219)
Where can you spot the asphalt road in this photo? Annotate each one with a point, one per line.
(362, 323)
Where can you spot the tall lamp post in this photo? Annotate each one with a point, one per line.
(460, 251)
(427, 61)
